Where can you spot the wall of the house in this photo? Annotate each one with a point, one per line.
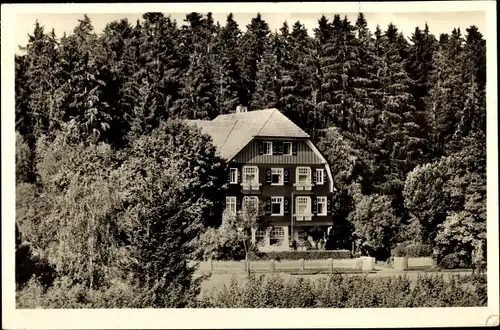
(250, 154)
(304, 157)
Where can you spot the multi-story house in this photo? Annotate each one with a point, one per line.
(272, 160)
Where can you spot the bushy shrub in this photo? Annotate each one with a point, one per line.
(297, 255)
(340, 291)
(455, 260)
(412, 250)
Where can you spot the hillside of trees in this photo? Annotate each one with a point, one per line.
(103, 194)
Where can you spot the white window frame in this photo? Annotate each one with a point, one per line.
(291, 151)
(260, 236)
(253, 169)
(246, 199)
(303, 200)
(231, 201)
(281, 173)
(320, 173)
(268, 148)
(298, 173)
(231, 172)
(276, 200)
(322, 200)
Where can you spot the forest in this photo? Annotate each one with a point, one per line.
(112, 188)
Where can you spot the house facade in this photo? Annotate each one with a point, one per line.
(273, 162)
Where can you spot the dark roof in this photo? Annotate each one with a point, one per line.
(232, 132)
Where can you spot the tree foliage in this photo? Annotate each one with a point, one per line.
(110, 184)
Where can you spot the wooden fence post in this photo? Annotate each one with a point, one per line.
(272, 264)
(302, 264)
(330, 264)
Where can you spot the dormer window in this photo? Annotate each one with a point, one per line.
(287, 148)
(268, 148)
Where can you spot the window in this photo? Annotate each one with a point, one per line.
(268, 148)
(287, 148)
(250, 205)
(303, 205)
(321, 205)
(250, 175)
(277, 176)
(320, 176)
(233, 175)
(277, 236)
(277, 206)
(260, 235)
(231, 204)
(303, 175)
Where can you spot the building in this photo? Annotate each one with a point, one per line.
(272, 160)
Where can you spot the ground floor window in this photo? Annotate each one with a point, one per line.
(260, 235)
(277, 236)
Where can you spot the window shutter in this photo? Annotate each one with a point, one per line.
(238, 203)
(268, 175)
(286, 175)
(224, 204)
(229, 176)
(239, 176)
(315, 205)
(294, 148)
(268, 205)
(275, 148)
(286, 205)
(329, 206)
(314, 176)
(261, 147)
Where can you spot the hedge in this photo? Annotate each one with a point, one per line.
(338, 291)
(412, 251)
(297, 255)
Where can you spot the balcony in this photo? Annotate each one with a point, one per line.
(303, 186)
(251, 186)
(303, 217)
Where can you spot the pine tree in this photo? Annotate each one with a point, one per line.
(197, 95)
(322, 34)
(269, 77)
(156, 84)
(297, 85)
(87, 77)
(401, 145)
(253, 43)
(445, 98)
(227, 76)
(40, 72)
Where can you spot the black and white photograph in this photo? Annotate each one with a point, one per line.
(324, 160)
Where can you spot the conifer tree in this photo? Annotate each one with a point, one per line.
(227, 72)
(253, 43)
(269, 77)
(296, 98)
(197, 95)
(87, 77)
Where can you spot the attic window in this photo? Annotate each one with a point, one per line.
(287, 148)
(268, 148)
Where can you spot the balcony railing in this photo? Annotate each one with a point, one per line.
(303, 185)
(303, 217)
(251, 186)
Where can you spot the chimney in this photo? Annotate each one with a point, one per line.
(240, 108)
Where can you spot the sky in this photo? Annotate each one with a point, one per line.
(439, 22)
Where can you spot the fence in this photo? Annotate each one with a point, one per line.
(284, 265)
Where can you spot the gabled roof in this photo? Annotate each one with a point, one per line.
(232, 132)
